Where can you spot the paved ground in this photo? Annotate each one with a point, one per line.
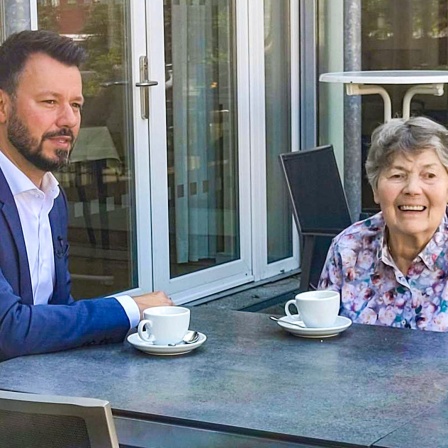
(267, 298)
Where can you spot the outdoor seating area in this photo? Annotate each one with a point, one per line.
(224, 224)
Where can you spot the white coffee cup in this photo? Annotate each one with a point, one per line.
(317, 309)
(163, 325)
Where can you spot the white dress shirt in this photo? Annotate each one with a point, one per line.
(34, 206)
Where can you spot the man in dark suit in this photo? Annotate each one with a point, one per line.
(40, 116)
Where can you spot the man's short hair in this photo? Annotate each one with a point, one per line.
(18, 47)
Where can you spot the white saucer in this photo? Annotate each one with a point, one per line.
(152, 349)
(341, 324)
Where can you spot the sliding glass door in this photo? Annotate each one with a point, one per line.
(174, 182)
(99, 181)
(195, 148)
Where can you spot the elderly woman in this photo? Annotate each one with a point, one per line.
(392, 268)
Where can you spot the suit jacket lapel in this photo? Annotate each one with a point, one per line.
(58, 223)
(11, 215)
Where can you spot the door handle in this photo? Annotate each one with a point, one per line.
(113, 83)
(147, 83)
(143, 84)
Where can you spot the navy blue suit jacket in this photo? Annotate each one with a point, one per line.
(63, 323)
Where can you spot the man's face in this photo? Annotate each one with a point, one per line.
(32, 149)
(44, 115)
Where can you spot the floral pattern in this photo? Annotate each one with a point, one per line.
(374, 291)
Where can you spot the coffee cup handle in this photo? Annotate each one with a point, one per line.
(145, 335)
(287, 304)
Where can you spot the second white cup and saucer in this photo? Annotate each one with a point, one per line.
(317, 315)
(162, 330)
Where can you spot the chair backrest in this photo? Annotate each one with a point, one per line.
(317, 196)
(36, 421)
(318, 204)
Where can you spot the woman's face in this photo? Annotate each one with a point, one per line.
(413, 193)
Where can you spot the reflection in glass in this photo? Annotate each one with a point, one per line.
(278, 126)
(396, 35)
(201, 134)
(98, 180)
(405, 35)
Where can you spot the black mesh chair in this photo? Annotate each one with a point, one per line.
(319, 206)
(37, 421)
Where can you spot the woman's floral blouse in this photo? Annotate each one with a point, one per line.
(374, 291)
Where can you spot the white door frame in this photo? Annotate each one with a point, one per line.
(208, 281)
(261, 268)
(142, 207)
(253, 264)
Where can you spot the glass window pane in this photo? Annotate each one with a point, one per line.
(396, 35)
(98, 181)
(405, 35)
(201, 116)
(278, 126)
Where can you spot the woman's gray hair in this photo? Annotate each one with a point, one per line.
(406, 137)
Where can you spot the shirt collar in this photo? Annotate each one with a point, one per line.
(381, 245)
(19, 182)
(430, 252)
(436, 245)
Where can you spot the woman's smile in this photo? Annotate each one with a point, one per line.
(413, 193)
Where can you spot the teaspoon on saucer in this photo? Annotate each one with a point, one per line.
(190, 338)
(297, 324)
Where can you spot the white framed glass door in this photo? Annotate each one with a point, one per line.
(174, 183)
(100, 181)
(199, 174)
(275, 129)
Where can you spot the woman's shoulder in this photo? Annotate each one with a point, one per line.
(369, 229)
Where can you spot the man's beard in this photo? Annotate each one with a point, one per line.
(32, 150)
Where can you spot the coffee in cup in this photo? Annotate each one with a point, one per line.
(163, 325)
(317, 309)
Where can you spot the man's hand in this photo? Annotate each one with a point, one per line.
(157, 298)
